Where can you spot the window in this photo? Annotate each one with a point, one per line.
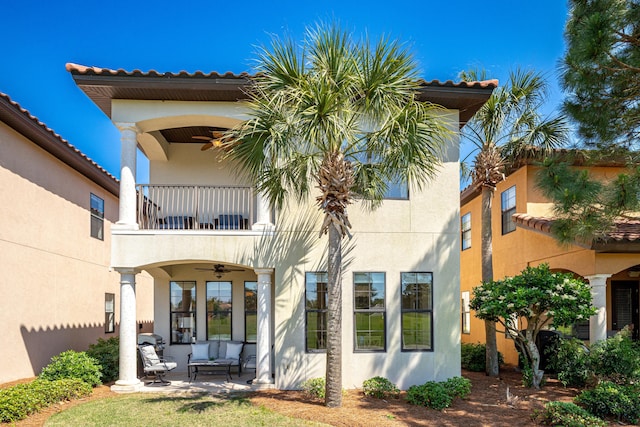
(508, 203)
(465, 226)
(466, 313)
(183, 312)
(250, 311)
(397, 190)
(417, 311)
(316, 311)
(109, 313)
(370, 324)
(219, 311)
(97, 217)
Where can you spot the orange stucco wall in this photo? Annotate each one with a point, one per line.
(514, 251)
(54, 274)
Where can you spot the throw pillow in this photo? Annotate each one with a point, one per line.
(200, 351)
(233, 351)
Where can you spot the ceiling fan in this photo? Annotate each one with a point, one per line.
(217, 139)
(220, 269)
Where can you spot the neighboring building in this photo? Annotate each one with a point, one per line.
(57, 210)
(521, 221)
(226, 266)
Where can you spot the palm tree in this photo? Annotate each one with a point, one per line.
(508, 127)
(342, 116)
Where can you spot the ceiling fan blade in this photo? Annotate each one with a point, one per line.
(207, 146)
(202, 138)
(205, 269)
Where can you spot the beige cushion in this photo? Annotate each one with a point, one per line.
(149, 355)
(233, 350)
(200, 351)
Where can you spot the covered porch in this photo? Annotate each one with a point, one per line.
(196, 302)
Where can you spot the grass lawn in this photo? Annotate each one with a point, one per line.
(172, 410)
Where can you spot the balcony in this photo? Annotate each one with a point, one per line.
(195, 207)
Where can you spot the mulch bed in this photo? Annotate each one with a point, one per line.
(486, 406)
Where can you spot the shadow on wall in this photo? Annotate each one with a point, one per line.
(42, 344)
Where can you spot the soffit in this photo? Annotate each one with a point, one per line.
(102, 85)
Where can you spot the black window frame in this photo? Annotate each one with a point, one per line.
(96, 206)
(253, 311)
(405, 310)
(508, 226)
(466, 312)
(179, 314)
(358, 308)
(109, 313)
(465, 233)
(320, 310)
(216, 312)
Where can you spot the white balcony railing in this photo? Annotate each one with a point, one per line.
(195, 207)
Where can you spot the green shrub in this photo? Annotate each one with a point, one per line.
(380, 388)
(568, 415)
(458, 387)
(616, 359)
(314, 387)
(569, 358)
(473, 357)
(22, 400)
(107, 353)
(72, 364)
(611, 399)
(430, 394)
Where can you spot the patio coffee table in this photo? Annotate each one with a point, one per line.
(211, 366)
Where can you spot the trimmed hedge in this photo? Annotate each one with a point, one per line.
(568, 414)
(473, 357)
(72, 364)
(439, 395)
(22, 400)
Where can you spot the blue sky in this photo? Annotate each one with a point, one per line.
(445, 37)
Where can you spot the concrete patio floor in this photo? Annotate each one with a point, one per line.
(204, 382)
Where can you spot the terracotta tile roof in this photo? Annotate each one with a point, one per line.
(83, 69)
(103, 85)
(626, 231)
(28, 125)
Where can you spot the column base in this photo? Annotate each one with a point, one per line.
(263, 381)
(122, 386)
(121, 226)
(263, 226)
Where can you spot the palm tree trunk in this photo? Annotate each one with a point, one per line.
(333, 392)
(491, 356)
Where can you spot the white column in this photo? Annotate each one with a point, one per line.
(128, 380)
(263, 214)
(263, 346)
(598, 322)
(128, 155)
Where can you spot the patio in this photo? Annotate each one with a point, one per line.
(204, 383)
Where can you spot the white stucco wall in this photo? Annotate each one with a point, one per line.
(419, 234)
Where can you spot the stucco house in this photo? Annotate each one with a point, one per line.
(225, 265)
(57, 210)
(521, 224)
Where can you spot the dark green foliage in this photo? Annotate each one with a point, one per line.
(72, 364)
(107, 353)
(22, 400)
(612, 400)
(315, 387)
(458, 387)
(600, 70)
(569, 358)
(380, 388)
(473, 357)
(430, 394)
(585, 208)
(568, 415)
(616, 359)
(439, 395)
